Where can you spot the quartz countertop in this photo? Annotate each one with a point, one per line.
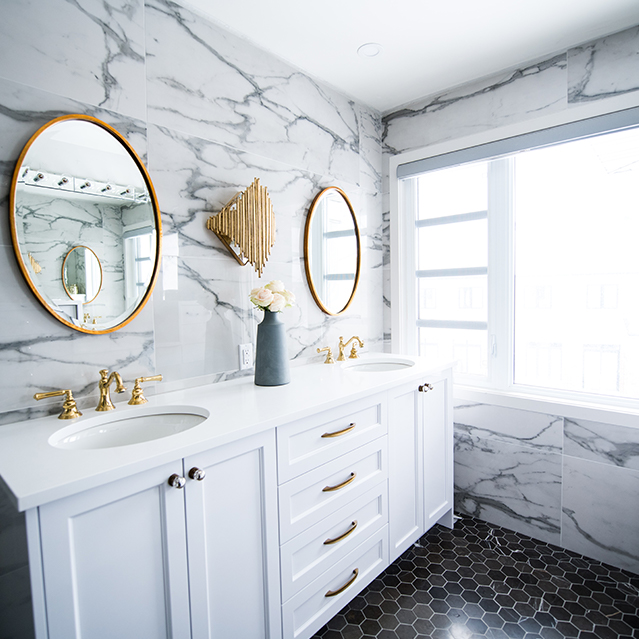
(36, 472)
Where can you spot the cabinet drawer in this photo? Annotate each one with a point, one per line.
(311, 497)
(307, 556)
(308, 443)
(311, 608)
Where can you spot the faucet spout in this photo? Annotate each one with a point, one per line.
(342, 347)
(104, 386)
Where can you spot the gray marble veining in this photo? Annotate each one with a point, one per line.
(606, 443)
(605, 68)
(509, 425)
(600, 512)
(211, 84)
(87, 50)
(496, 101)
(514, 486)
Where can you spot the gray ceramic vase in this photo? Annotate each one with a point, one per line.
(271, 354)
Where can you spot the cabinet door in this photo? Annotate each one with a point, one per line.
(107, 555)
(406, 476)
(438, 453)
(233, 541)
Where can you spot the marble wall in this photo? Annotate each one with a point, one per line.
(570, 483)
(208, 113)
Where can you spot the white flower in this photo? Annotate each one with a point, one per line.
(275, 286)
(261, 297)
(290, 298)
(278, 304)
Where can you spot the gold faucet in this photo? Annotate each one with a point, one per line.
(104, 386)
(342, 347)
(329, 355)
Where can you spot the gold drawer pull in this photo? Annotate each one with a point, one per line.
(328, 542)
(340, 432)
(328, 489)
(332, 593)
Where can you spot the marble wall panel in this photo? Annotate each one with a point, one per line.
(91, 51)
(605, 68)
(496, 423)
(605, 443)
(518, 487)
(600, 514)
(211, 84)
(479, 106)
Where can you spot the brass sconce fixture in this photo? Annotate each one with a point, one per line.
(247, 222)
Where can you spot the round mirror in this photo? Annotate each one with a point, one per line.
(82, 274)
(78, 184)
(332, 251)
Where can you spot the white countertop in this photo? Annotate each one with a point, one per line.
(35, 472)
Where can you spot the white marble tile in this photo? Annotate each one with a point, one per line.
(600, 517)
(370, 149)
(211, 84)
(509, 425)
(479, 106)
(89, 50)
(518, 487)
(604, 68)
(605, 443)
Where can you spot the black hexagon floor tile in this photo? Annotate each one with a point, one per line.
(480, 581)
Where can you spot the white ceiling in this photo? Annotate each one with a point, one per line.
(428, 46)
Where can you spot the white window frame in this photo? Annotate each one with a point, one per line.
(499, 388)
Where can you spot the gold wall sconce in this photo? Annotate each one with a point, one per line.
(247, 222)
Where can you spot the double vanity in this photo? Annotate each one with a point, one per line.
(231, 510)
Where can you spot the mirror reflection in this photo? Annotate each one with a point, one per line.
(80, 191)
(82, 274)
(332, 251)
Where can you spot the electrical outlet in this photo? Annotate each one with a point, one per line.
(246, 356)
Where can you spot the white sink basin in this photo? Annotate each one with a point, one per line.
(379, 365)
(134, 427)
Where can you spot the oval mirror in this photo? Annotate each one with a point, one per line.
(82, 274)
(78, 184)
(332, 251)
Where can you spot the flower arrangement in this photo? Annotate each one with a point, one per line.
(273, 297)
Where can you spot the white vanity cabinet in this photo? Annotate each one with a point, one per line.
(138, 558)
(420, 446)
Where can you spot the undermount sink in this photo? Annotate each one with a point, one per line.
(112, 430)
(379, 365)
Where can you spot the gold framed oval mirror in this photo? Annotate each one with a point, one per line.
(82, 274)
(78, 183)
(332, 250)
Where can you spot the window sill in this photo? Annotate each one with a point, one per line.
(618, 416)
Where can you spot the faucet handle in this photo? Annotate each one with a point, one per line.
(329, 355)
(354, 354)
(137, 395)
(70, 407)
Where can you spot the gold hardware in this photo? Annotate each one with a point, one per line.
(425, 388)
(70, 407)
(197, 473)
(329, 355)
(332, 593)
(342, 347)
(337, 433)
(104, 386)
(247, 222)
(137, 395)
(328, 542)
(34, 264)
(328, 489)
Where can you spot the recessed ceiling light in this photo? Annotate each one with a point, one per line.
(370, 50)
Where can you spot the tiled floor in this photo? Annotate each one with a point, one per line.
(481, 580)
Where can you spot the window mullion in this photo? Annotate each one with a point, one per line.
(500, 272)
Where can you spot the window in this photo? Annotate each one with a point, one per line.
(525, 265)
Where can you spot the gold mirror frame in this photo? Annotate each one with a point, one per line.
(307, 232)
(64, 279)
(156, 215)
